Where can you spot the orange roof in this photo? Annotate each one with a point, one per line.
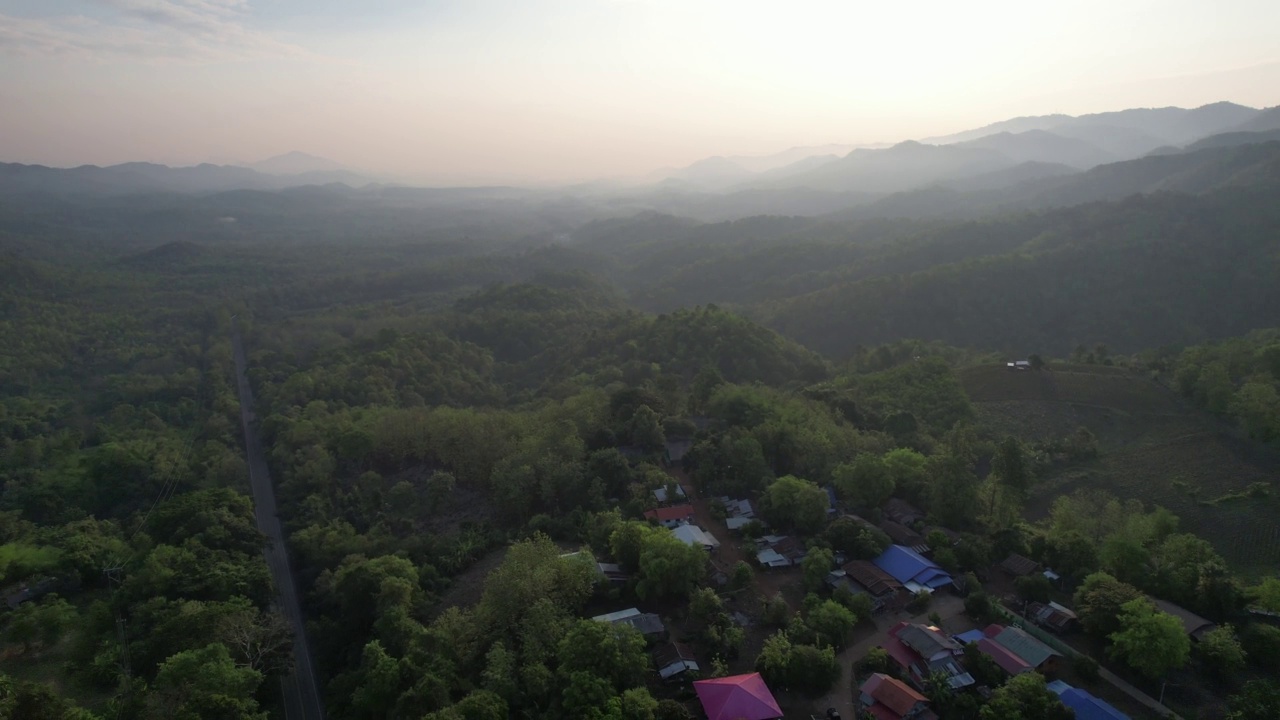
(892, 693)
(675, 512)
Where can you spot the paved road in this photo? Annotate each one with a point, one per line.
(301, 695)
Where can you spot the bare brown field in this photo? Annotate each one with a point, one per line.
(1153, 448)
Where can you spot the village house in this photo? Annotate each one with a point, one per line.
(609, 572)
(737, 512)
(738, 697)
(1019, 642)
(886, 698)
(694, 535)
(1005, 659)
(1019, 566)
(916, 572)
(902, 535)
(1195, 625)
(661, 494)
(777, 551)
(901, 511)
(673, 659)
(671, 517)
(923, 650)
(1052, 616)
(648, 624)
(860, 576)
(1085, 705)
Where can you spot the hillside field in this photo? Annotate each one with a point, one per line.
(1153, 447)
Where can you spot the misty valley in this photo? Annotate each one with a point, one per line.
(983, 426)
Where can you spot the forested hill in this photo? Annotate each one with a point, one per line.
(1146, 272)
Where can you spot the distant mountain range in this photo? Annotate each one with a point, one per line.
(296, 163)
(140, 178)
(1063, 141)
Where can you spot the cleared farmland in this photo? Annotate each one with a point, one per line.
(1153, 447)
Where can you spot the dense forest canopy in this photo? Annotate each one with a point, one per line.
(463, 397)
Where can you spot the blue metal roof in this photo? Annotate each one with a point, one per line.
(1085, 704)
(972, 636)
(907, 565)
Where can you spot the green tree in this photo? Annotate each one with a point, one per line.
(802, 668)
(44, 622)
(831, 623)
(1266, 595)
(1099, 601)
(668, 567)
(1257, 404)
(482, 705)
(815, 566)
(439, 491)
(792, 503)
(1025, 697)
(671, 710)
(1221, 651)
(204, 684)
(1262, 645)
(1259, 700)
(35, 701)
(615, 653)
(909, 470)
(867, 482)
(645, 428)
(1149, 641)
(876, 660)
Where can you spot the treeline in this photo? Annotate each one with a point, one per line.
(1238, 379)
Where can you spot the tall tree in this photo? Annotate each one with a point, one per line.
(791, 502)
(865, 483)
(1025, 697)
(1149, 641)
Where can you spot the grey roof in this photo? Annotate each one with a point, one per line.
(661, 493)
(1020, 643)
(647, 624)
(694, 535)
(617, 615)
(1191, 622)
(927, 642)
(1016, 564)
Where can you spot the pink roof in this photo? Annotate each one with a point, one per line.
(1007, 661)
(740, 697)
(992, 630)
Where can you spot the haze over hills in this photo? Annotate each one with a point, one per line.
(1078, 142)
(296, 163)
(135, 178)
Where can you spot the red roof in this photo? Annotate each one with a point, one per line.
(900, 653)
(992, 630)
(892, 693)
(740, 697)
(1007, 661)
(675, 512)
(880, 712)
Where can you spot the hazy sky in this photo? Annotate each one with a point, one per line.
(484, 91)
